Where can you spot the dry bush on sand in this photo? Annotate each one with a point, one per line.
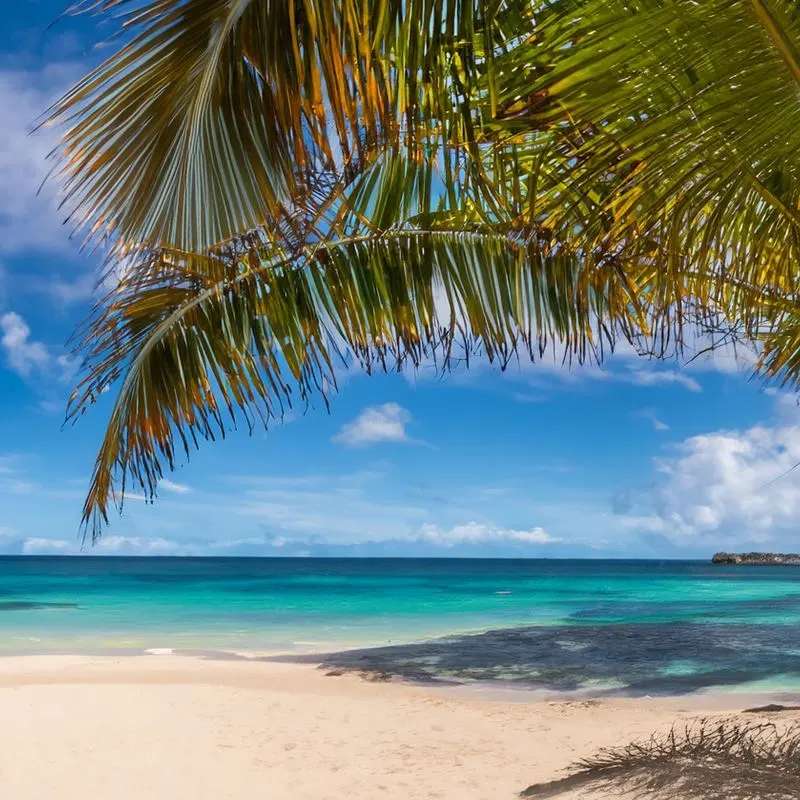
(705, 760)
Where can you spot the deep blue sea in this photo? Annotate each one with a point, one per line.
(617, 626)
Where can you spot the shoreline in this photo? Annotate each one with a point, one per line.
(176, 667)
(166, 726)
(18, 666)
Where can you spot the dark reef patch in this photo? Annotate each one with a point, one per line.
(30, 605)
(631, 659)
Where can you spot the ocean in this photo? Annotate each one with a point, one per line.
(617, 627)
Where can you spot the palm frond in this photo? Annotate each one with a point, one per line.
(197, 343)
(403, 180)
(689, 115)
(215, 116)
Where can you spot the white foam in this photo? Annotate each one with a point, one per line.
(159, 651)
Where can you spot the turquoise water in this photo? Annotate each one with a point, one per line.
(678, 624)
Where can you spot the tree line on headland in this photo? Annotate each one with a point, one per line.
(772, 559)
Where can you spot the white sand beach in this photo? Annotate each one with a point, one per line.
(166, 727)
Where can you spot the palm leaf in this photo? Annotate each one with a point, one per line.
(403, 181)
(689, 115)
(216, 116)
(199, 343)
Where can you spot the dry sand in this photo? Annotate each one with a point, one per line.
(158, 727)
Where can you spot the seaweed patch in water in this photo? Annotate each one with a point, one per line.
(30, 605)
(633, 659)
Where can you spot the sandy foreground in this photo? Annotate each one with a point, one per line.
(178, 727)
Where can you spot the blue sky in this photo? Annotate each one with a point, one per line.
(633, 460)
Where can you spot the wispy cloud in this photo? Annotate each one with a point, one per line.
(528, 397)
(27, 220)
(471, 539)
(15, 480)
(67, 292)
(651, 416)
(171, 486)
(533, 382)
(107, 545)
(386, 423)
(351, 514)
(654, 377)
(478, 533)
(135, 497)
(333, 511)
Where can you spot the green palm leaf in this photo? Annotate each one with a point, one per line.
(200, 343)
(402, 180)
(216, 116)
(689, 114)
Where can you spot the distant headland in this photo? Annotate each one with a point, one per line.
(771, 559)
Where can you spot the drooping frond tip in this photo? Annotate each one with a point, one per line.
(199, 343)
(407, 181)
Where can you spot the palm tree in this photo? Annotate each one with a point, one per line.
(395, 181)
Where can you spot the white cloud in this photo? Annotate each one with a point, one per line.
(68, 292)
(22, 354)
(30, 217)
(40, 546)
(653, 377)
(528, 397)
(68, 366)
(7, 465)
(27, 220)
(534, 381)
(332, 514)
(106, 545)
(25, 355)
(478, 533)
(349, 507)
(15, 481)
(170, 486)
(136, 497)
(740, 486)
(432, 541)
(136, 545)
(22, 487)
(706, 352)
(386, 423)
(653, 419)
